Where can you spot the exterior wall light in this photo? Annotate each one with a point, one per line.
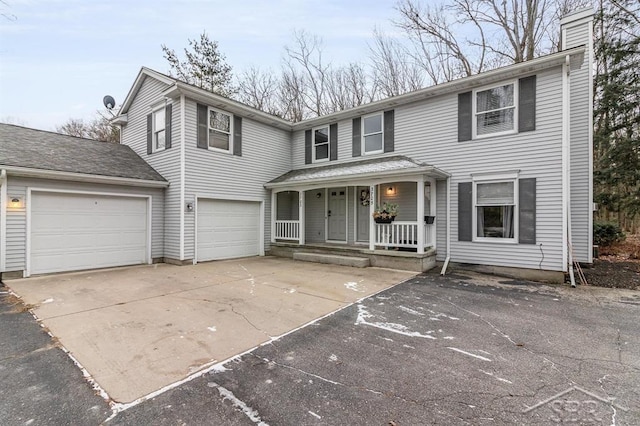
(16, 202)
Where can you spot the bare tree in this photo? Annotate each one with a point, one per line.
(259, 89)
(395, 71)
(465, 37)
(100, 129)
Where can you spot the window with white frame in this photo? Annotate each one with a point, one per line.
(495, 110)
(321, 144)
(372, 134)
(220, 130)
(495, 210)
(159, 136)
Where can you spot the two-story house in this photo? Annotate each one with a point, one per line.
(493, 169)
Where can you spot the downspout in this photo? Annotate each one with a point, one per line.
(566, 147)
(448, 257)
(3, 219)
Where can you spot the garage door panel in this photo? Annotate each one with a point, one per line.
(77, 231)
(228, 229)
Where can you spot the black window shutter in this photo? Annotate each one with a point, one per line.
(333, 142)
(357, 138)
(527, 104)
(307, 147)
(168, 110)
(465, 211)
(464, 116)
(389, 131)
(237, 136)
(203, 127)
(527, 214)
(149, 134)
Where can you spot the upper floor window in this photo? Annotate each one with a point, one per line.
(220, 130)
(159, 134)
(321, 144)
(495, 110)
(372, 139)
(504, 109)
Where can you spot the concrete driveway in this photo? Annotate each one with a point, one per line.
(137, 330)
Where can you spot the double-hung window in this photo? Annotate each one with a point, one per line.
(495, 110)
(372, 136)
(220, 130)
(159, 135)
(495, 210)
(321, 145)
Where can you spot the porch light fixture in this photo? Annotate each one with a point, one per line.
(391, 190)
(319, 194)
(16, 202)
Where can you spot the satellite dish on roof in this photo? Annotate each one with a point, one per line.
(109, 102)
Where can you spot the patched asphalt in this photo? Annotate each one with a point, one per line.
(460, 349)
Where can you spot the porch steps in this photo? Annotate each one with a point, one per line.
(356, 262)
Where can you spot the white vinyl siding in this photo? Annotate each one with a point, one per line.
(16, 218)
(266, 154)
(428, 132)
(581, 156)
(167, 162)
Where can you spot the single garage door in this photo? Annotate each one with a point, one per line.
(228, 229)
(78, 231)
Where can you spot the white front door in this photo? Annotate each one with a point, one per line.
(70, 232)
(227, 229)
(337, 214)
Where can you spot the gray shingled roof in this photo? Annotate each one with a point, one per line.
(350, 169)
(38, 149)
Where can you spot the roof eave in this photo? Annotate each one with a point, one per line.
(423, 170)
(142, 74)
(235, 107)
(453, 86)
(81, 177)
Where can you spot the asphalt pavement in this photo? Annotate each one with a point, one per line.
(460, 349)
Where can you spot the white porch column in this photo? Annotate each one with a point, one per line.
(372, 224)
(273, 216)
(434, 233)
(420, 200)
(301, 224)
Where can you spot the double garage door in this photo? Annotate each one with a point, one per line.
(227, 229)
(79, 231)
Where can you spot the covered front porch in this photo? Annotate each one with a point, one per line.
(384, 205)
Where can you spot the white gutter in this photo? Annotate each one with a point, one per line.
(3, 219)
(467, 83)
(567, 248)
(81, 177)
(448, 258)
(361, 176)
(183, 115)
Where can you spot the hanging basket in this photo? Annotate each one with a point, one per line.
(429, 220)
(384, 219)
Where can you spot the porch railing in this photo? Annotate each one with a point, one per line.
(287, 229)
(401, 234)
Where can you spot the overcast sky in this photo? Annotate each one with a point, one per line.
(58, 58)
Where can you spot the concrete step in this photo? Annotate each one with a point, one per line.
(356, 262)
